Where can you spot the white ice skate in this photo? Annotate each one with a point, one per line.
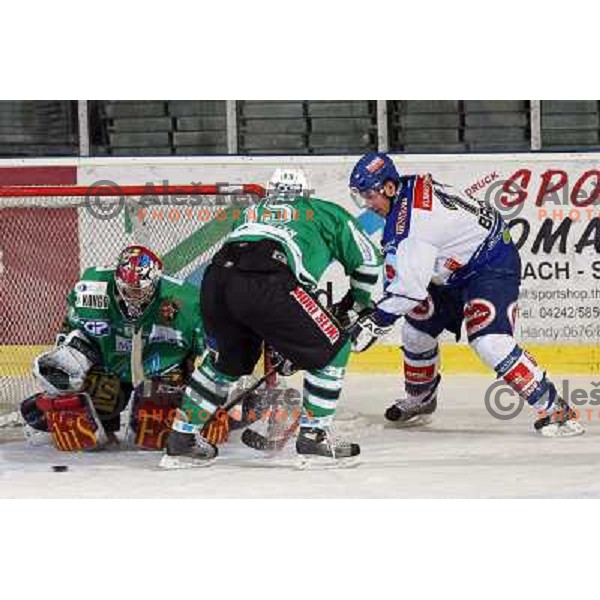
(413, 411)
(560, 422)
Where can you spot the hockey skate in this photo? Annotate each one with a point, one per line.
(561, 422)
(317, 446)
(187, 451)
(414, 410)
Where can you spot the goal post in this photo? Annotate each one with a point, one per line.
(50, 234)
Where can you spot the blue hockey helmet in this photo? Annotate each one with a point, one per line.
(372, 171)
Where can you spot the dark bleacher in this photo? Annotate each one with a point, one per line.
(159, 127)
(38, 128)
(309, 127)
(570, 125)
(306, 127)
(459, 125)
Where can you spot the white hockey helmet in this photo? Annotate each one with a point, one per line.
(288, 181)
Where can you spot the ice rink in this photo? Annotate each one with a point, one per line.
(463, 453)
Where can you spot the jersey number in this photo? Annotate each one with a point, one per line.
(485, 215)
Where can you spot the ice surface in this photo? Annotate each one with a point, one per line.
(463, 453)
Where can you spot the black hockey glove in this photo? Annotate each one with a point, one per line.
(285, 367)
(347, 310)
(369, 328)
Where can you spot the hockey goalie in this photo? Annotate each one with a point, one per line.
(117, 316)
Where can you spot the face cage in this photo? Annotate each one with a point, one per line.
(135, 299)
(289, 190)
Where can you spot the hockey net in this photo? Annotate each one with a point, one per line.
(49, 235)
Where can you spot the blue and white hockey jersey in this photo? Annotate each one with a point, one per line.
(433, 235)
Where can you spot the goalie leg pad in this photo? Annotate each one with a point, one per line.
(152, 417)
(72, 422)
(32, 415)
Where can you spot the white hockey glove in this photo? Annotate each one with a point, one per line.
(369, 328)
(65, 367)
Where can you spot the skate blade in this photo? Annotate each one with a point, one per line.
(313, 462)
(569, 429)
(416, 421)
(173, 463)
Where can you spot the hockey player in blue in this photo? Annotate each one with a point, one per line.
(448, 259)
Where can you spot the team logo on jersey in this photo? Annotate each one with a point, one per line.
(402, 219)
(97, 328)
(479, 314)
(152, 364)
(390, 272)
(423, 197)
(422, 311)
(91, 287)
(167, 335)
(452, 264)
(168, 310)
(91, 294)
(97, 301)
(122, 344)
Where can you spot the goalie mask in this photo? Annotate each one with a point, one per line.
(137, 277)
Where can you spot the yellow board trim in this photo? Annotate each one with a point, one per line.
(15, 361)
(574, 359)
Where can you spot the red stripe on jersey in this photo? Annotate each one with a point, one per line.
(423, 197)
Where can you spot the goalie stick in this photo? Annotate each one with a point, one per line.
(136, 365)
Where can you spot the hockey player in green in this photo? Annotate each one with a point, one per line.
(94, 354)
(259, 288)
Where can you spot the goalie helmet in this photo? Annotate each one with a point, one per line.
(288, 182)
(137, 277)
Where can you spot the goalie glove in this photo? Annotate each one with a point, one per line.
(65, 367)
(369, 328)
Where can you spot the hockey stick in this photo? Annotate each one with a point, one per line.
(258, 441)
(246, 393)
(227, 406)
(138, 377)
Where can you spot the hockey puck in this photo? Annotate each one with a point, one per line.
(60, 468)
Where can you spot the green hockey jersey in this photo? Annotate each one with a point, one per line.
(313, 233)
(171, 325)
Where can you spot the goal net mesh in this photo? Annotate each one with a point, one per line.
(49, 235)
